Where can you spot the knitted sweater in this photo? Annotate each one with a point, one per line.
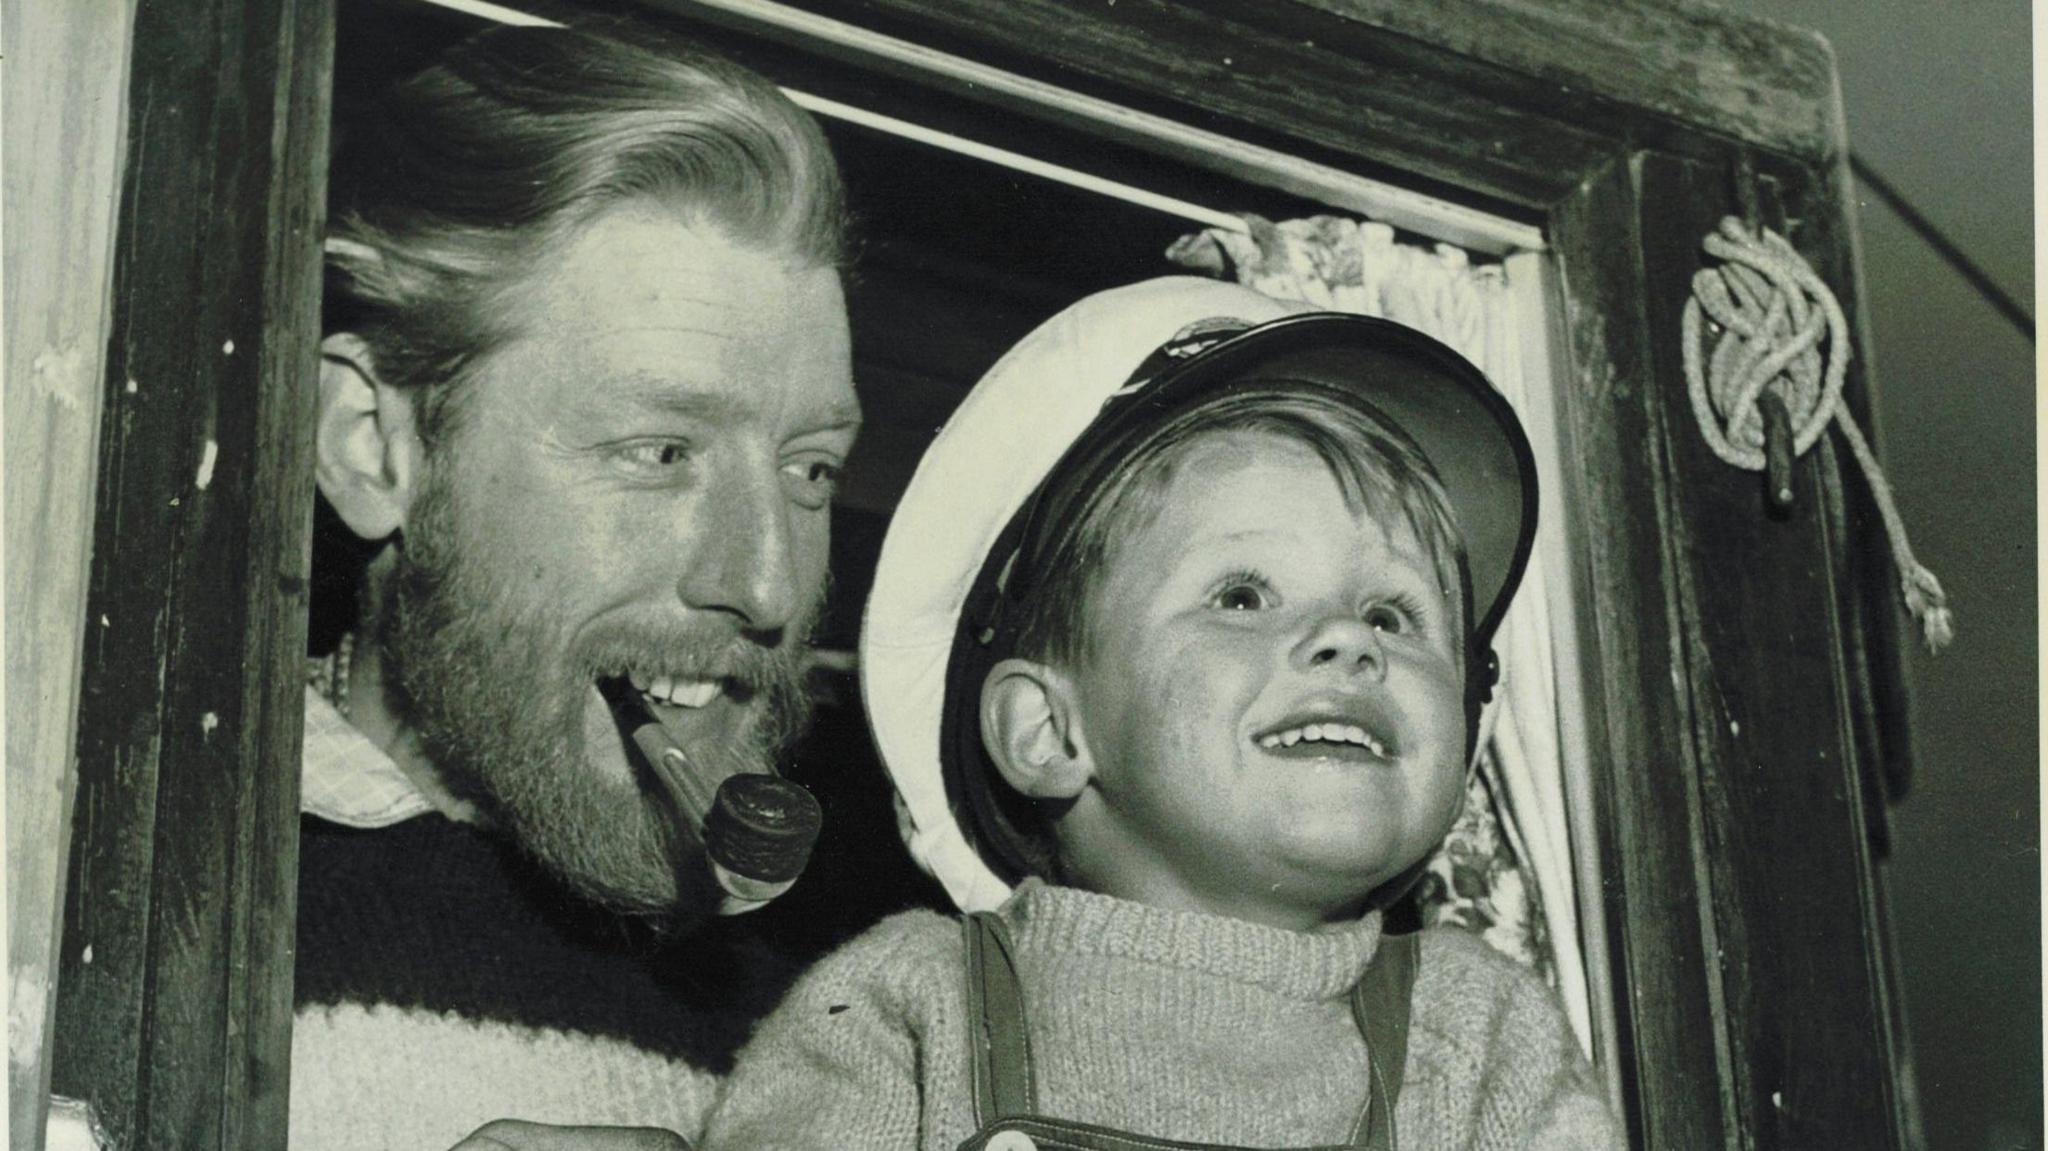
(1161, 1023)
(442, 983)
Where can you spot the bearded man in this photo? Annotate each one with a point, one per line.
(586, 373)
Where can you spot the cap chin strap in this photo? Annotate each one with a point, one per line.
(944, 853)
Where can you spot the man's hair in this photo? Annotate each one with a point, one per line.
(471, 171)
(1379, 469)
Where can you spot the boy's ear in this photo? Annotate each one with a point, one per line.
(367, 451)
(1028, 726)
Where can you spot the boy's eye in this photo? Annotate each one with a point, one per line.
(1241, 597)
(1397, 616)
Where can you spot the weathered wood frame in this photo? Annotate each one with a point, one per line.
(66, 89)
(1743, 684)
(173, 1014)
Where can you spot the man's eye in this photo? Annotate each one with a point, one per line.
(656, 453)
(812, 482)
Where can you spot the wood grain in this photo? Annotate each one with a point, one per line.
(174, 1007)
(1783, 844)
(1725, 73)
(1644, 771)
(1293, 77)
(65, 93)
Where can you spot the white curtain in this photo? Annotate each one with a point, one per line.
(1513, 836)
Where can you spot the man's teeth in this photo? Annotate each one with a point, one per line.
(1325, 733)
(680, 692)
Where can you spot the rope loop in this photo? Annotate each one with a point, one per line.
(1776, 327)
(1769, 313)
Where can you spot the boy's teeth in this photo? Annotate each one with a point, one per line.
(639, 681)
(659, 689)
(1325, 733)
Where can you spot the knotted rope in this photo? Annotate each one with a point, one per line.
(1771, 314)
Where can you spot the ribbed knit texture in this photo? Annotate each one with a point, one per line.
(406, 1079)
(1160, 1023)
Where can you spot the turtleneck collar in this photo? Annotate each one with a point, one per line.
(1297, 964)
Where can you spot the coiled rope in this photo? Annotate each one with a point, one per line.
(1771, 314)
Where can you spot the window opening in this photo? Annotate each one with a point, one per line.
(968, 245)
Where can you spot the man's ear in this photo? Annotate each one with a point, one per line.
(367, 450)
(1028, 726)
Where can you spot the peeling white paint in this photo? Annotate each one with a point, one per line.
(74, 1127)
(207, 723)
(60, 374)
(228, 349)
(1734, 727)
(133, 387)
(206, 462)
(86, 956)
(105, 622)
(27, 996)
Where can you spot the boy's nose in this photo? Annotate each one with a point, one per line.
(1343, 642)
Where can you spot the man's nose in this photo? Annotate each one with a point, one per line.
(1345, 642)
(743, 561)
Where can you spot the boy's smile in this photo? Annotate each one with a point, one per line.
(1272, 706)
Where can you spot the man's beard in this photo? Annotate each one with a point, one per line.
(497, 693)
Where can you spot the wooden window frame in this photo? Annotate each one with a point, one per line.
(1742, 690)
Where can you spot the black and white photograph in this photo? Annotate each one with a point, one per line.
(999, 575)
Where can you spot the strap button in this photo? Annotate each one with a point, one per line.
(1011, 1141)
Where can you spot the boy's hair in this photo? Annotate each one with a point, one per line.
(471, 171)
(1379, 469)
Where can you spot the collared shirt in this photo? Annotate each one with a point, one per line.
(346, 779)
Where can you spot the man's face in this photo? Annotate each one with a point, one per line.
(639, 485)
(1273, 703)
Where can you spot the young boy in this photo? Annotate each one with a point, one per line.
(1182, 629)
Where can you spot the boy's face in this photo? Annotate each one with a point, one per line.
(1273, 705)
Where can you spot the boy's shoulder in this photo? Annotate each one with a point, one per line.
(907, 936)
(1489, 1032)
(1469, 994)
(905, 953)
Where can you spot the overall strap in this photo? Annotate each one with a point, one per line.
(996, 1035)
(1381, 1003)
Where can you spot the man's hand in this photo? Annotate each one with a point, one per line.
(519, 1135)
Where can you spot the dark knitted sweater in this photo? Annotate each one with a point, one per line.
(443, 980)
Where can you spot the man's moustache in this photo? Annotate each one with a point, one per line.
(745, 665)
